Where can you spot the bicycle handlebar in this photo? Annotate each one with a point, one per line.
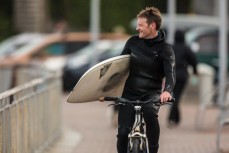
(123, 101)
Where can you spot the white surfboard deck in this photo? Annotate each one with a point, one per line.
(106, 78)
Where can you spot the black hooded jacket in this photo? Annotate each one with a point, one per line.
(184, 56)
(151, 60)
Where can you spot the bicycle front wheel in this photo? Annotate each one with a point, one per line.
(137, 147)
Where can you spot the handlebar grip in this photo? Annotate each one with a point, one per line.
(101, 99)
(170, 102)
(110, 98)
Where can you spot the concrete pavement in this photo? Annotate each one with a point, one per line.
(87, 128)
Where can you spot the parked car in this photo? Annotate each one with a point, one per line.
(79, 63)
(205, 42)
(47, 47)
(51, 47)
(49, 51)
(15, 42)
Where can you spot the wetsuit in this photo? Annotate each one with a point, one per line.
(151, 60)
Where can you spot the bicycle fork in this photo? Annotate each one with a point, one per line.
(137, 131)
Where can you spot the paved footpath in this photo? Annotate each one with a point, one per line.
(87, 129)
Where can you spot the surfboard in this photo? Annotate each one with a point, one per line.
(106, 78)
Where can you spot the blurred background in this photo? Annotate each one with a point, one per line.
(43, 16)
(47, 45)
(26, 25)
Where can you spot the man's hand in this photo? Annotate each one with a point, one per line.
(165, 96)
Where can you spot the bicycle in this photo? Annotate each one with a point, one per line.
(137, 139)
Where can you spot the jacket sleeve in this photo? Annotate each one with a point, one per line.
(192, 60)
(169, 68)
(126, 50)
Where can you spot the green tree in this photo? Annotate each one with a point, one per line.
(183, 6)
(119, 12)
(113, 12)
(77, 14)
(56, 9)
(6, 19)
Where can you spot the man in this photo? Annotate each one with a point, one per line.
(184, 57)
(152, 59)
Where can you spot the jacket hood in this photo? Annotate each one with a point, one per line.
(179, 36)
(160, 37)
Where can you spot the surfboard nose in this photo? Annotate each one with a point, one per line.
(106, 78)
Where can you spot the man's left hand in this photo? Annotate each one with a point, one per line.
(165, 96)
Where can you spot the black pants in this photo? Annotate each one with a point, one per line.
(174, 114)
(126, 121)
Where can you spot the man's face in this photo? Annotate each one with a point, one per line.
(145, 31)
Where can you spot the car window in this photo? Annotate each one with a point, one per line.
(27, 48)
(14, 43)
(115, 50)
(71, 47)
(84, 55)
(101, 46)
(55, 49)
(204, 39)
(51, 50)
(208, 43)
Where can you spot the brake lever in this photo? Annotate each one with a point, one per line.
(163, 103)
(115, 104)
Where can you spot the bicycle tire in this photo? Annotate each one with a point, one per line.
(128, 147)
(136, 147)
(136, 144)
(144, 148)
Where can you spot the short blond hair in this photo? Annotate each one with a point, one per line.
(151, 14)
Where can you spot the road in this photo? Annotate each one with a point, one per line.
(87, 128)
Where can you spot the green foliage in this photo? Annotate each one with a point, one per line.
(113, 12)
(184, 6)
(77, 13)
(119, 12)
(6, 24)
(160, 4)
(56, 9)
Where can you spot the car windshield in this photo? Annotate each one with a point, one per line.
(84, 55)
(115, 50)
(206, 39)
(101, 45)
(118, 47)
(192, 34)
(16, 42)
(27, 48)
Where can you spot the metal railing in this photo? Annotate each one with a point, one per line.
(30, 115)
(11, 76)
(223, 119)
(5, 78)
